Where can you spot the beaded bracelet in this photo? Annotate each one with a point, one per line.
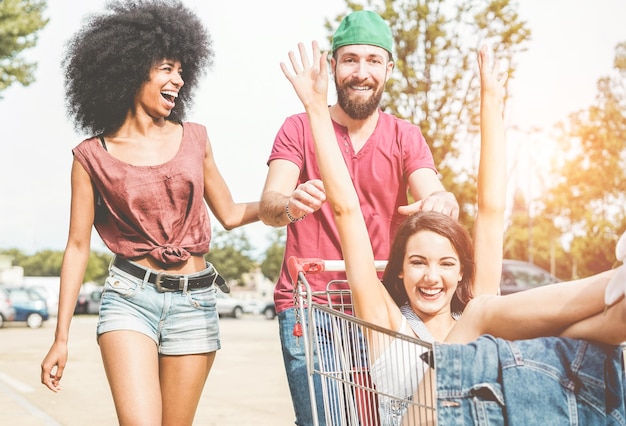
(290, 217)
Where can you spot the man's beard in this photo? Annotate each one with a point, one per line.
(358, 109)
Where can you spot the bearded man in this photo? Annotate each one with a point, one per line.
(386, 157)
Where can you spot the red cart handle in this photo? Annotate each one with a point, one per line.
(309, 265)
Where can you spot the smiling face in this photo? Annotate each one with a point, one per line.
(453, 243)
(360, 73)
(431, 272)
(157, 96)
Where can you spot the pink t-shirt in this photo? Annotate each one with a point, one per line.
(380, 172)
(157, 211)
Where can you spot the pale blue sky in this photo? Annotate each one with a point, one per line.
(245, 98)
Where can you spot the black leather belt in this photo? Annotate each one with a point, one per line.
(171, 282)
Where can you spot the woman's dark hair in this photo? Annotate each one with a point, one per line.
(110, 57)
(446, 227)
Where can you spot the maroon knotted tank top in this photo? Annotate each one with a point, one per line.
(156, 211)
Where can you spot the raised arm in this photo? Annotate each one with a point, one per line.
(489, 225)
(310, 80)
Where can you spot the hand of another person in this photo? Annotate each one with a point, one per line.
(441, 201)
(52, 367)
(310, 80)
(308, 197)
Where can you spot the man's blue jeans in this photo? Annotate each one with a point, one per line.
(546, 381)
(352, 353)
(295, 367)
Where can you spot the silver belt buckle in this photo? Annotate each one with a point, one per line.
(158, 283)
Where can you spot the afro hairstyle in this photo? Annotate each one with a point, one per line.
(108, 60)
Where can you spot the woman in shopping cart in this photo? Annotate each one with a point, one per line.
(446, 289)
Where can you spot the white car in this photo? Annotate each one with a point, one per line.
(263, 307)
(229, 306)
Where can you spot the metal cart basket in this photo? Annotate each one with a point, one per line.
(369, 375)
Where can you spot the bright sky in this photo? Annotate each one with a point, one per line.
(245, 98)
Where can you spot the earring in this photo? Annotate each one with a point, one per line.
(617, 285)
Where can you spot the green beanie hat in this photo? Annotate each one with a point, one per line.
(363, 27)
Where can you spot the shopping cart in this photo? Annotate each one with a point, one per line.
(369, 375)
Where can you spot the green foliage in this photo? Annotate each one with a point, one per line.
(595, 252)
(273, 260)
(47, 263)
(586, 194)
(583, 206)
(537, 239)
(435, 83)
(20, 21)
(16, 255)
(98, 267)
(230, 254)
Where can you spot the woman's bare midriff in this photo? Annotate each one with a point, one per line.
(190, 266)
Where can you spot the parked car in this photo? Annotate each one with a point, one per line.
(81, 304)
(50, 294)
(269, 310)
(88, 301)
(262, 307)
(518, 275)
(94, 301)
(7, 311)
(29, 306)
(229, 306)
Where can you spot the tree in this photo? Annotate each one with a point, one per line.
(230, 254)
(434, 84)
(47, 263)
(20, 21)
(587, 194)
(535, 238)
(16, 255)
(97, 267)
(273, 260)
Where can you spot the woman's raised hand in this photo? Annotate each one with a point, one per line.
(309, 79)
(490, 83)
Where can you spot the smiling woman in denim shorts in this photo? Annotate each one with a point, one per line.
(144, 180)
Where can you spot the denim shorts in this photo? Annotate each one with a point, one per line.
(180, 323)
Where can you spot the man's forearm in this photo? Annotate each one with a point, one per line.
(272, 209)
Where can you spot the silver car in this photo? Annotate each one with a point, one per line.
(518, 275)
(229, 306)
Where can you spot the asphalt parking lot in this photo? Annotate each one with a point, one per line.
(247, 385)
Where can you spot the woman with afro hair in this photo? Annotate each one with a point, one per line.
(144, 179)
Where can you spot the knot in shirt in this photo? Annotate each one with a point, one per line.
(169, 254)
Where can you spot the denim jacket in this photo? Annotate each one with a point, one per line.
(544, 381)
